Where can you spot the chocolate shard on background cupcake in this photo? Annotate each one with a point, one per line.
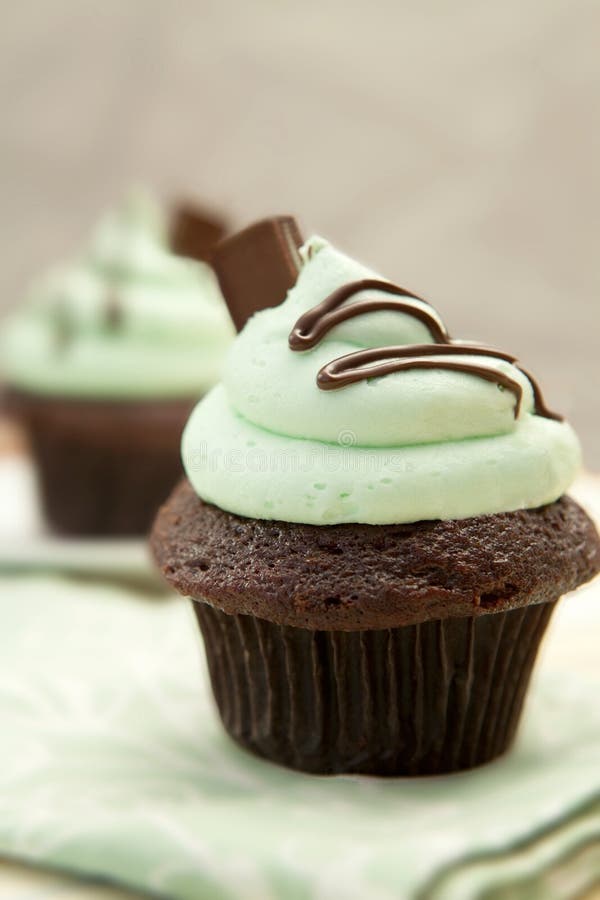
(103, 364)
(194, 232)
(374, 531)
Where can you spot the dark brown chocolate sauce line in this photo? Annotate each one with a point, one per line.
(354, 367)
(312, 327)
(406, 351)
(538, 398)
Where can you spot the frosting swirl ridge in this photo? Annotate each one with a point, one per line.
(448, 430)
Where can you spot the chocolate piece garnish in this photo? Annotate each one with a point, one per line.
(379, 361)
(257, 266)
(195, 232)
(312, 327)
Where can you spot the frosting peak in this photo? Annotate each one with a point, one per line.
(424, 428)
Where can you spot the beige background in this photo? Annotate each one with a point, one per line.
(455, 146)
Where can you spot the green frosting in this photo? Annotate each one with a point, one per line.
(128, 319)
(422, 444)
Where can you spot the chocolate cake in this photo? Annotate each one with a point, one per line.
(353, 577)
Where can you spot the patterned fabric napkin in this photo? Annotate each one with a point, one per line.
(113, 764)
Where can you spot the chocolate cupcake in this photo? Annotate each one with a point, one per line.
(373, 529)
(106, 359)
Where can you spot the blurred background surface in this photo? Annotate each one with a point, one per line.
(455, 147)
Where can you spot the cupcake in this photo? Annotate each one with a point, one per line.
(373, 530)
(104, 362)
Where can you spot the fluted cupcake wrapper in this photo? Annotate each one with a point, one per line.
(104, 467)
(421, 699)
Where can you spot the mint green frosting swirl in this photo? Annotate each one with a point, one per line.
(421, 444)
(126, 319)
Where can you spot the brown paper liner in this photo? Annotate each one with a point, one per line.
(104, 467)
(422, 699)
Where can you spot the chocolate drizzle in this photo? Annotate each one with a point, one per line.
(314, 325)
(538, 398)
(384, 360)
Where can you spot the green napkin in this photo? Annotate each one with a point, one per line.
(113, 763)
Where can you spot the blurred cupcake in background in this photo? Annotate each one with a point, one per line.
(105, 359)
